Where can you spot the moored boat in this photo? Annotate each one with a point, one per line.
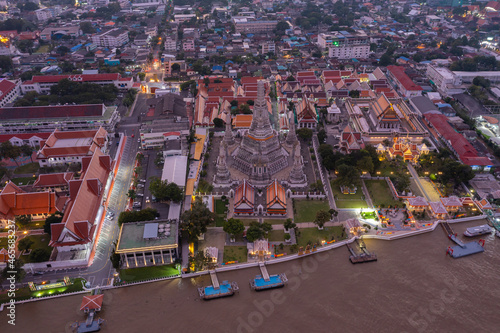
(478, 230)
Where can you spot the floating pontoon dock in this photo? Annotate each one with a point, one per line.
(217, 290)
(363, 255)
(266, 281)
(461, 249)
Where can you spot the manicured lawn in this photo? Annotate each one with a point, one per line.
(348, 200)
(40, 242)
(275, 221)
(27, 168)
(276, 236)
(25, 293)
(220, 206)
(221, 212)
(315, 236)
(380, 193)
(235, 253)
(306, 209)
(43, 49)
(247, 222)
(147, 273)
(23, 180)
(369, 215)
(220, 220)
(341, 196)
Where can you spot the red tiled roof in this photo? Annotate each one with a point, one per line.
(399, 73)
(76, 78)
(24, 136)
(53, 179)
(14, 201)
(5, 87)
(466, 152)
(54, 111)
(92, 302)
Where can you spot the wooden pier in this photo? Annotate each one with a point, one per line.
(362, 255)
(215, 281)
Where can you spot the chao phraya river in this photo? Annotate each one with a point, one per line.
(414, 287)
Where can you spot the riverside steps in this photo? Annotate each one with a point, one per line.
(217, 290)
(266, 281)
(362, 254)
(461, 249)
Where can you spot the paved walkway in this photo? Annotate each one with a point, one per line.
(326, 181)
(415, 176)
(368, 199)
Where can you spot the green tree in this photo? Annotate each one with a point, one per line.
(254, 232)
(24, 244)
(481, 81)
(176, 67)
(322, 217)
(199, 261)
(234, 227)
(87, 28)
(17, 268)
(289, 224)
(385, 60)
(321, 135)
(27, 150)
(142, 76)
(54, 218)
(39, 255)
(218, 123)
(305, 133)
(347, 175)
(165, 191)
(147, 214)
(195, 221)
(6, 63)
(365, 164)
(8, 150)
(22, 221)
(131, 194)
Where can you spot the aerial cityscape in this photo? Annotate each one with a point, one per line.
(224, 166)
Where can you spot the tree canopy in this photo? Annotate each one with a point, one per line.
(146, 214)
(195, 221)
(165, 191)
(258, 230)
(54, 218)
(234, 227)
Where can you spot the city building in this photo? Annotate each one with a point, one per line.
(148, 243)
(246, 25)
(181, 18)
(84, 211)
(275, 199)
(244, 199)
(148, 3)
(170, 44)
(15, 201)
(456, 142)
(19, 139)
(70, 147)
(402, 82)
(112, 38)
(344, 45)
(9, 91)
(268, 47)
(34, 119)
(48, 34)
(42, 83)
(175, 170)
(447, 82)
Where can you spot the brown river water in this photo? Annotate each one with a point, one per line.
(413, 287)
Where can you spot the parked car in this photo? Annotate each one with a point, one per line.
(139, 194)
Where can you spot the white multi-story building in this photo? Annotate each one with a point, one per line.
(8, 92)
(42, 83)
(148, 3)
(188, 45)
(345, 45)
(180, 18)
(43, 14)
(446, 82)
(433, 20)
(170, 44)
(112, 38)
(268, 47)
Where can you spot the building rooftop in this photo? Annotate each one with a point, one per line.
(132, 236)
